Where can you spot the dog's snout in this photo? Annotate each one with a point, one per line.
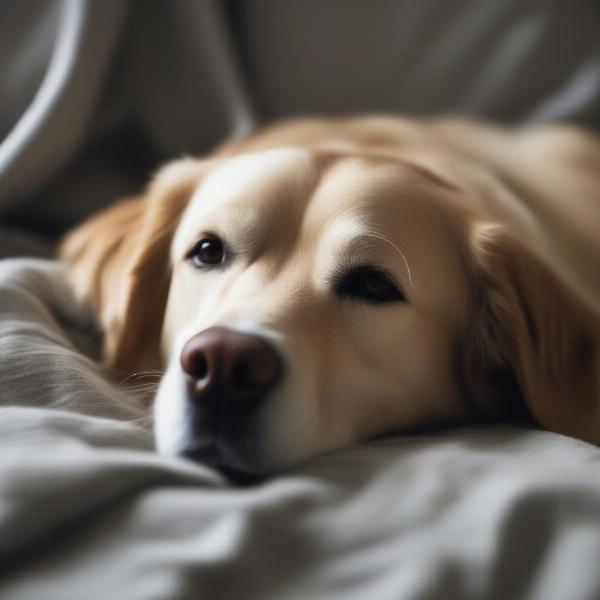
(235, 365)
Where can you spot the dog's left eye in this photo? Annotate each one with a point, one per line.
(208, 252)
(367, 284)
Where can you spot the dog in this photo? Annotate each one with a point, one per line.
(323, 282)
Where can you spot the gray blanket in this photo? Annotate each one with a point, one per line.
(88, 510)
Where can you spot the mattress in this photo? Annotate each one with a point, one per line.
(89, 510)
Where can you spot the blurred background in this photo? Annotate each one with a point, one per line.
(95, 94)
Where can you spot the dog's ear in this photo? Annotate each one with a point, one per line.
(530, 340)
(118, 261)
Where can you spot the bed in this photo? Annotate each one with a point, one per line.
(88, 510)
(90, 101)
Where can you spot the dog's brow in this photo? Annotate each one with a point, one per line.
(395, 247)
(240, 222)
(363, 237)
(244, 185)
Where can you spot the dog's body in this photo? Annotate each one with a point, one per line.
(324, 282)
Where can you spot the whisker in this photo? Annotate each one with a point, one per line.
(142, 387)
(144, 421)
(383, 239)
(140, 375)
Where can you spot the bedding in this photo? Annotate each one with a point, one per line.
(94, 96)
(88, 510)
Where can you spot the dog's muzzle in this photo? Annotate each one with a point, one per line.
(229, 374)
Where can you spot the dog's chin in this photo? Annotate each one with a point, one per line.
(246, 448)
(242, 473)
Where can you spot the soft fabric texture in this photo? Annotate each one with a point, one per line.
(95, 94)
(87, 509)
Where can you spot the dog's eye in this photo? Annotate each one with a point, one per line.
(367, 284)
(208, 252)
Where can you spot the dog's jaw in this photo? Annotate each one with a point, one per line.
(283, 434)
(170, 419)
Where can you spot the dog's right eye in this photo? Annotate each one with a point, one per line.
(367, 284)
(207, 252)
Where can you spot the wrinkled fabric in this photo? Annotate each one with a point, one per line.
(48, 345)
(94, 95)
(88, 510)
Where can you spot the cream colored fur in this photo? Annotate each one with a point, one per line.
(493, 235)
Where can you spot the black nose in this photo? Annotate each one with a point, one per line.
(235, 366)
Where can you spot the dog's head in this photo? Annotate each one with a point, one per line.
(300, 300)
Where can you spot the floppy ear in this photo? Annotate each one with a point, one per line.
(530, 339)
(119, 262)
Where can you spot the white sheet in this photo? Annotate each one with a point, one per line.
(87, 510)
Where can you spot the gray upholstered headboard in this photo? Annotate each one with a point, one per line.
(93, 94)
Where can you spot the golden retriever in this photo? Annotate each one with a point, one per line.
(323, 282)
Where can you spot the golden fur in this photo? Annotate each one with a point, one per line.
(494, 232)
